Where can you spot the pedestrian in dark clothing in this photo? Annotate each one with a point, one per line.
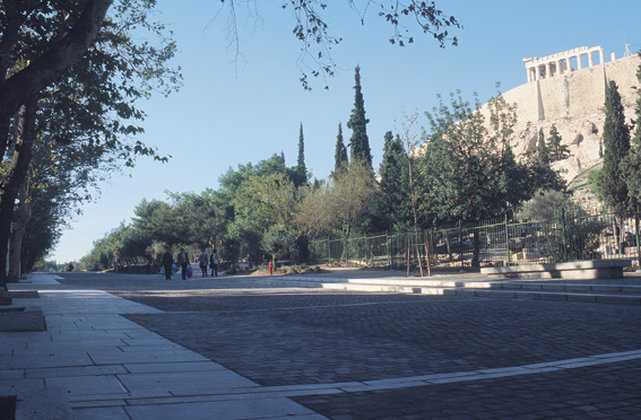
(183, 262)
(168, 264)
(213, 263)
(203, 260)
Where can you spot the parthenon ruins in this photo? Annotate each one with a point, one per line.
(563, 62)
(567, 90)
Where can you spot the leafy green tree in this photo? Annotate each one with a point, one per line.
(340, 154)
(279, 241)
(314, 216)
(359, 142)
(468, 167)
(92, 103)
(339, 207)
(514, 180)
(543, 176)
(261, 202)
(543, 207)
(394, 184)
(350, 197)
(203, 217)
(158, 220)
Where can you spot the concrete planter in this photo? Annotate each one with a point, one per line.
(586, 269)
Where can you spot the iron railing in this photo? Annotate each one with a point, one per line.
(567, 238)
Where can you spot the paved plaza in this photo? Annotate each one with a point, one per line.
(138, 347)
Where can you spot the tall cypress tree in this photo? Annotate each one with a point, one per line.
(340, 153)
(556, 150)
(394, 186)
(359, 143)
(616, 144)
(301, 168)
(542, 152)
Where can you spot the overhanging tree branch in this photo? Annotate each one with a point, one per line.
(59, 56)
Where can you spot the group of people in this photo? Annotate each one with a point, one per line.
(205, 261)
(211, 259)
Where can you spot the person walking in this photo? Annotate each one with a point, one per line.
(213, 263)
(183, 262)
(203, 260)
(168, 264)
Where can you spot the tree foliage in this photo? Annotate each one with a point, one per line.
(395, 198)
(340, 152)
(616, 144)
(631, 165)
(300, 171)
(359, 142)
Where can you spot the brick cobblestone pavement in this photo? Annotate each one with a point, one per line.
(281, 335)
(317, 340)
(609, 391)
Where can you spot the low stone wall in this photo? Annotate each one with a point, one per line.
(587, 269)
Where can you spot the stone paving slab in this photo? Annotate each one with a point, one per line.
(44, 404)
(44, 360)
(263, 408)
(11, 374)
(87, 385)
(185, 383)
(108, 357)
(172, 367)
(63, 372)
(101, 413)
(21, 321)
(20, 386)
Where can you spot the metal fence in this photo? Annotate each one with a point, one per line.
(568, 238)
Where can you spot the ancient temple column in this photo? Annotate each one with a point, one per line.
(590, 63)
(558, 66)
(601, 56)
(578, 62)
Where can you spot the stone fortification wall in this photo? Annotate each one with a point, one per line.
(573, 101)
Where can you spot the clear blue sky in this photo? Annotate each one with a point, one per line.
(227, 114)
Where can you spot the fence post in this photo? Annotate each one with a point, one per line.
(407, 255)
(428, 245)
(563, 236)
(636, 236)
(389, 252)
(329, 253)
(507, 242)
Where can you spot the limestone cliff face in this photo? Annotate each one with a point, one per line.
(573, 101)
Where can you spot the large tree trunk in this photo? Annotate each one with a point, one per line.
(476, 250)
(428, 262)
(4, 135)
(15, 180)
(21, 219)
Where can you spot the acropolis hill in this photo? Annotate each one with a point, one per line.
(567, 89)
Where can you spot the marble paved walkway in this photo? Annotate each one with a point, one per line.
(92, 363)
